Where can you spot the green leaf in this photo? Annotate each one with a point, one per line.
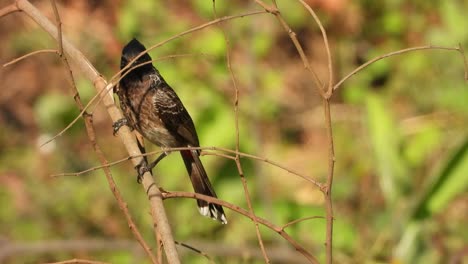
(385, 139)
(451, 181)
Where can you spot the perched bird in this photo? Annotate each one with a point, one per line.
(152, 107)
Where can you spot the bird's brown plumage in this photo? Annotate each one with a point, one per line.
(153, 108)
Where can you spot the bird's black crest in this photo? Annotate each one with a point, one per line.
(131, 50)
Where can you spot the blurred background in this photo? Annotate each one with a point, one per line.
(400, 132)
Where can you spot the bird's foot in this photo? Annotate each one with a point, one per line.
(157, 160)
(162, 190)
(143, 166)
(120, 123)
(141, 169)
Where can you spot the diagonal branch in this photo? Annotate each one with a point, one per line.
(279, 230)
(154, 195)
(88, 119)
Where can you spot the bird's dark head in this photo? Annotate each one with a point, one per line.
(130, 51)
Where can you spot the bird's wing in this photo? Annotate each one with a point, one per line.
(174, 115)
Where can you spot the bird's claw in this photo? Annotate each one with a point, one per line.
(141, 169)
(162, 190)
(120, 123)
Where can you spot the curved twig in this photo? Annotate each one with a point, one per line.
(398, 52)
(29, 55)
(277, 229)
(8, 10)
(301, 220)
(197, 28)
(329, 92)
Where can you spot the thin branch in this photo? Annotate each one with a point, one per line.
(328, 193)
(465, 62)
(236, 120)
(196, 250)
(197, 28)
(122, 204)
(58, 23)
(152, 190)
(399, 52)
(77, 261)
(327, 48)
(92, 138)
(247, 253)
(277, 229)
(242, 154)
(326, 95)
(182, 55)
(61, 132)
(29, 55)
(292, 35)
(119, 74)
(108, 89)
(226, 156)
(301, 220)
(9, 9)
(273, 163)
(331, 148)
(109, 164)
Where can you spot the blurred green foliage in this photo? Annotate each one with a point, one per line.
(400, 188)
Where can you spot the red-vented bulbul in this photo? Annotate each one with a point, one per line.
(152, 108)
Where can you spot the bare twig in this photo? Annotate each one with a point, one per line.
(159, 215)
(92, 138)
(241, 154)
(109, 164)
(328, 192)
(101, 86)
(326, 94)
(192, 248)
(197, 28)
(122, 204)
(77, 261)
(301, 220)
(30, 54)
(8, 10)
(465, 62)
(58, 23)
(236, 117)
(248, 253)
(292, 35)
(399, 52)
(274, 163)
(327, 49)
(277, 229)
(119, 74)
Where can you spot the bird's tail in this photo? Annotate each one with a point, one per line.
(201, 184)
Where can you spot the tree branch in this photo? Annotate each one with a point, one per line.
(253, 217)
(152, 190)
